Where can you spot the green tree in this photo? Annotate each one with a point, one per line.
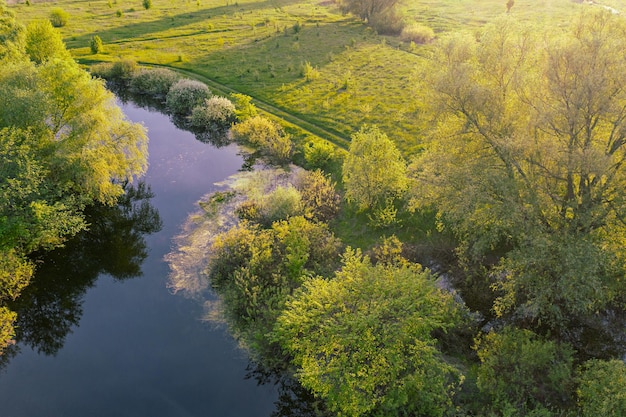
(602, 388)
(362, 340)
(59, 17)
(43, 42)
(96, 45)
(522, 373)
(12, 34)
(528, 154)
(367, 9)
(147, 4)
(374, 170)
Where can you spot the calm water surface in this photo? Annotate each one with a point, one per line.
(109, 339)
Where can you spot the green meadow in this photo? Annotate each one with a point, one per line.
(303, 60)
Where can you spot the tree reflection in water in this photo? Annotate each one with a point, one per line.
(114, 244)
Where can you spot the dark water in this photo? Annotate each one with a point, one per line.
(101, 334)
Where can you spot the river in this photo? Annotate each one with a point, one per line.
(101, 334)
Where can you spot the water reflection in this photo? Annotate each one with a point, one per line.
(51, 305)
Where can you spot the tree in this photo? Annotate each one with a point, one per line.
(366, 9)
(527, 162)
(43, 42)
(12, 34)
(96, 45)
(59, 17)
(519, 371)
(374, 170)
(147, 4)
(362, 340)
(602, 391)
(186, 94)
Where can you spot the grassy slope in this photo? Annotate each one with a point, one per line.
(252, 46)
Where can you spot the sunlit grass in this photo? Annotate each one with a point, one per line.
(259, 46)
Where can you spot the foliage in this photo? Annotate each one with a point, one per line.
(520, 372)
(280, 204)
(185, 95)
(526, 161)
(388, 22)
(216, 112)
(374, 169)
(417, 33)
(255, 269)
(153, 82)
(319, 196)
(362, 341)
(309, 72)
(12, 34)
(147, 4)
(367, 9)
(96, 45)
(123, 70)
(318, 154)
(43, 42)
(59, 17)
(601, 391)
(7, 318)
(265, 135)
(244, 109)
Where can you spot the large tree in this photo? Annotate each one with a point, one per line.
(64, 144)
(527, 162)
(362, 340)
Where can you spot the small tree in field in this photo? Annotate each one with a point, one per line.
(374, 170)
(147, 4)
(96, 45)
(59, 17)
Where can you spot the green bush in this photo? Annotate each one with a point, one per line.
(119, 13)
(101, 70)
(185, 95)
(265, 135)
(309, 72)
(318, 194)
(602, 389)
(417, 33)
(154, 82)
(216, 112)
(280, 204)
(96, 45)
(244, 109)
(318, 153)
(147, 4)
(522, 373)
(387, 23)
(123, 70)
(59, 17)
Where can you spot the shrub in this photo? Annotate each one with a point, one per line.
(309, 72)
(147, 4)
(123, 70)
(318, 194)
(519, 371)
(265, 135)
(185, 95)
(216, 112)
(155, 82)
(59, 17)
(101, 70)
(318, 153)
(280, 204)
(417, 33)
(602, 389)
(244, 109)
(387, 23)
(96, 45)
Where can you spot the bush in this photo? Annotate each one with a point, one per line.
(318, 154)
(522, 373)
(154, 82)
(123, 70)
(417, 33)
(244, 109)
(387, 23)
(101, 70)
(185, 95)
(309, 72)
(265, 135)
(59, 17)
(318, 194)
(602, 389)
(147, 4)
(280, 204)
(96, 45)
(216, 112)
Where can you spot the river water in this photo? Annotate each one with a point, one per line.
(101, 335)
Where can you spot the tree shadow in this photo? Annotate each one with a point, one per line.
(51, 305)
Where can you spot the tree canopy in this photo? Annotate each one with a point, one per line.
(527, 160)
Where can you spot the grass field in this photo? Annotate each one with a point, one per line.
(260, 47)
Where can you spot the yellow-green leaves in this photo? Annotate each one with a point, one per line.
(362, 340)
